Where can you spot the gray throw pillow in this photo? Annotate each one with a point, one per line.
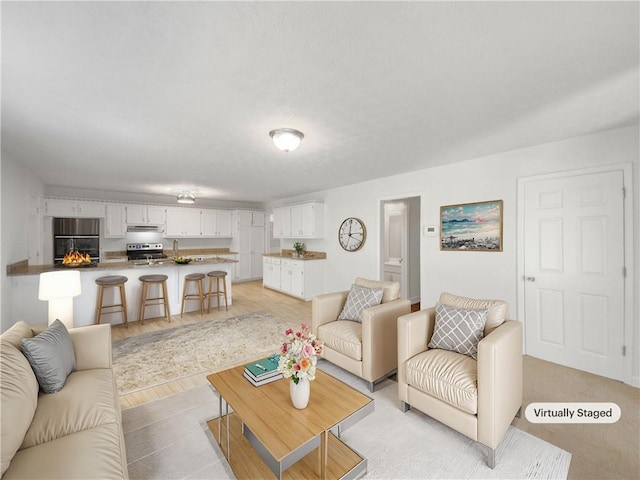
(51, 356)
(458, 330)
(358, 299)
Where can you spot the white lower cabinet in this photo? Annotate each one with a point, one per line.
(271, 272)
(299, 278)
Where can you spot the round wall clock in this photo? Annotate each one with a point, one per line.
(352, 234)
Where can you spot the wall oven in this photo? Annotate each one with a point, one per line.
(71, 234)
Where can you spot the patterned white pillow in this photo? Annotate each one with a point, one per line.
(458, 330)
(360, 298)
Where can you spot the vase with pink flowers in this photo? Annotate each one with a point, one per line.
(298, 358)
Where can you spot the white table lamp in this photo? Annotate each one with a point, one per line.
(59, 288)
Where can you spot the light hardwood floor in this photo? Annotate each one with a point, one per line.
(598, 451)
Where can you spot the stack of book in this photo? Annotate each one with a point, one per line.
(263, 371)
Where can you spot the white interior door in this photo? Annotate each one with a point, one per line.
(573, 265)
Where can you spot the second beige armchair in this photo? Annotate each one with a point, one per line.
(477, 395)
(369, 348)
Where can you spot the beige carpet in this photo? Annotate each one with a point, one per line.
(154, 358)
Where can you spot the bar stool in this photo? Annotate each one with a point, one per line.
(112, 281)
(219, 276)
(147, 280)
(198, 278)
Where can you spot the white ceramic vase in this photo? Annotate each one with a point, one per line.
(300, 393)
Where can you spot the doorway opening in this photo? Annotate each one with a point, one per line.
(400, 245)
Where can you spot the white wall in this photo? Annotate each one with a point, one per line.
(19, 187)
(476, 274)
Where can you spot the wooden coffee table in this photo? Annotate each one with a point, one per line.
(265, 435)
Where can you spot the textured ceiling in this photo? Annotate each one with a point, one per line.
(157, 97)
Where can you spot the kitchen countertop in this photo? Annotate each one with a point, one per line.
(22, 268)
(289, 254)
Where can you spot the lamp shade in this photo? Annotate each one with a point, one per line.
(59, 288)
(286, 139)
(59, 285)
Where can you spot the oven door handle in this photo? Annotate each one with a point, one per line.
(77, 236)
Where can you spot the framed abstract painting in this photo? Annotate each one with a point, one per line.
(471, 227)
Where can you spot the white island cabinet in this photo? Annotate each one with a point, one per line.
(299, 278)
(35, 312)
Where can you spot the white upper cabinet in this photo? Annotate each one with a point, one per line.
(155, 215)
(223, 223)
(136, 214)
(250, 218)
(174, 223)
(60, 208)
(304, 220)
(91, 209)
(192, 222)
(73, 208)
(195, 223)
(145, 215)
(208, 223)
(216, 223)
(183, 222)
(282, 222)
(115, 225)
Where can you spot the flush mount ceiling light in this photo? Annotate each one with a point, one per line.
(286, 139)
(186, 197)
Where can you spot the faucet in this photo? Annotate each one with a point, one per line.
(175, 248)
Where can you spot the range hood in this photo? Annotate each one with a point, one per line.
(145, 228)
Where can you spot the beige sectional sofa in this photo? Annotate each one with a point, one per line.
(74, 433)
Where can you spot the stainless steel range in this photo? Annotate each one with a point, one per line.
(145, 251)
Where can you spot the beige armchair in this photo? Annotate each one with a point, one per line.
(478, 398)
(368, 349)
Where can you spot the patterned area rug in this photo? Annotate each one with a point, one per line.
(154, 358)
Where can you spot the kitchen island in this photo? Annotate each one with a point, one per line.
(34, 311)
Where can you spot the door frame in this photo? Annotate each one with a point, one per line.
(404, 265)
(629, 260)
(380, 231)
